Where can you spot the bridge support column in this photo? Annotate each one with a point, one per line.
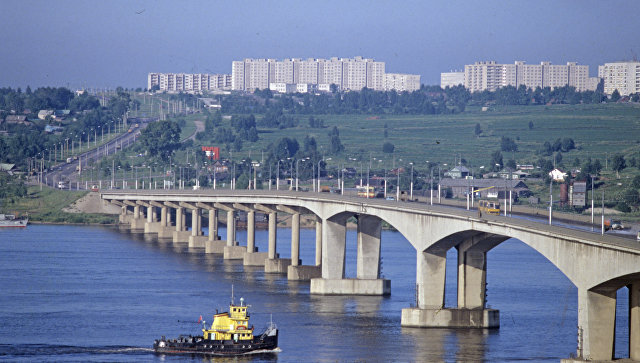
(273, 235)
(368, 258)
(180, 235)
(634, 321)
(295, 239)
(252, 257)
(596, 323)
(472, 277)
(137, 223)
(197, 240)
(213, 243)
(233, 250)
(430, 285)
(213, 225)
(163, 216)
(275, 264)
(318, 241)
(334, 233)
(166, 231)
(296, 271)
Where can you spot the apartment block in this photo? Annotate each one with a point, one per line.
(451, 79)
(401, 82)
(346, 73)
(490, 76)
(621, 76)
(189, 82)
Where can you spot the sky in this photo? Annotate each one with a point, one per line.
(105, 44)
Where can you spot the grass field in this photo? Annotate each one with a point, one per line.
(598, 131)
(47, 204)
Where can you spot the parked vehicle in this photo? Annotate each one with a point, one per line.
(613, 224)
(489, 207)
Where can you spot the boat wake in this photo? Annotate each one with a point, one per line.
(27, 350)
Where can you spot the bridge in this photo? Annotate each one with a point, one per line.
(597, 265)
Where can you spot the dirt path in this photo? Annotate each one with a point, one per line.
(199, 128)
(91, 203)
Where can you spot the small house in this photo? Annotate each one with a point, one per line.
(458, 172)
(557, 175)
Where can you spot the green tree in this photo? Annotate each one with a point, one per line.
(496, 160)
(478, 130)
(507, 144)
(618, 164)
(388, 148)
(161, 139)
(615, 96)
(635, 183)
(511, 164)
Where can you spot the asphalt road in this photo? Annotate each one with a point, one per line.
(68, 172)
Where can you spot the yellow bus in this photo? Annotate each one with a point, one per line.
(489, 207)
(363, 192)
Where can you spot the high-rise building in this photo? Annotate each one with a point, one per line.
(401, 82)
(451, 79)
(621, 76)
(490, 76)
(189, 82)
(346, 73)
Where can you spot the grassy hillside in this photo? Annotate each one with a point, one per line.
(598, 131)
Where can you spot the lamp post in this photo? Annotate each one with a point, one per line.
(319, 161)
(298, 172)
(278, 175)
(398, 183)
(368, 172)
(592, 204)
(411, 185)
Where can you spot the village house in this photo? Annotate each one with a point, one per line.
(485, 188)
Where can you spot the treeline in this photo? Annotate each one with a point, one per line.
(46, 98)
(522, 95)
(90, 120)
(426, 100)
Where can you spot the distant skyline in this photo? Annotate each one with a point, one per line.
(99, 44)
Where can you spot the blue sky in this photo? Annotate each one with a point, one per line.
(116, 43)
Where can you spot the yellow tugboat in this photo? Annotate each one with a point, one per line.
(229, 334)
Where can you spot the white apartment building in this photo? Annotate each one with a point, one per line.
(189, 82)
(490, 76)
(621, 76)
(346, 73)
(451, 79)
(401, 82)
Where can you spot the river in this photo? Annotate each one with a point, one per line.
(85, 293)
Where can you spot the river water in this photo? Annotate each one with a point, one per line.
(76, 293)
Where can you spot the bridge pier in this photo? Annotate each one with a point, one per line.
(197, 239)
(596, 323)
(430, 284)
(634, 321)
(232, 250)
(252, 257)
(137, 222)
(165, 233)
(180, 235)
(274, 264)
(334, 233)
(296, 271)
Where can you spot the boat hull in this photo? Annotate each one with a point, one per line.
(16, 223)
(197, 345)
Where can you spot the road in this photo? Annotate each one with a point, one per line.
(68, 172)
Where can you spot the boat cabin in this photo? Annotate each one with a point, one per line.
(231, 325)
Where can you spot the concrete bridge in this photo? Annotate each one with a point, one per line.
(597, 265)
